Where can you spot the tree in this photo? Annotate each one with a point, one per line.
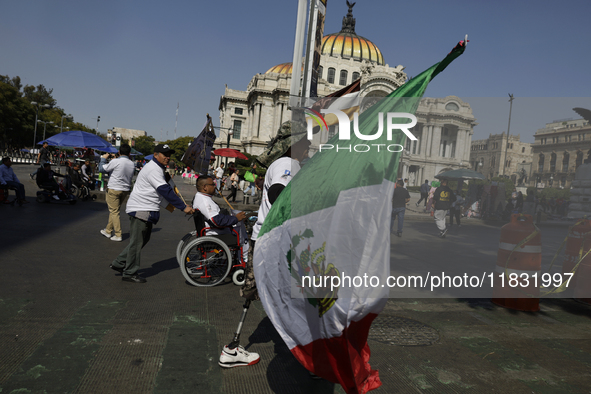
(16, 116)
(144, 144)
(39, 94)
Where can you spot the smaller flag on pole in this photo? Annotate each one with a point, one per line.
(199, 152)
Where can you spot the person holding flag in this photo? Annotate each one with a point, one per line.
(143, 208)
(283, 162)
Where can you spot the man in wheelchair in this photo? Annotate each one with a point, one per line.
(45, 180)
(216, 222)
(76, 176)
(8, 179)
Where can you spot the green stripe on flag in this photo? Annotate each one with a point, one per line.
(318, 184)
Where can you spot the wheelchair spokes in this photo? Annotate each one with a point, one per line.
(205, 261)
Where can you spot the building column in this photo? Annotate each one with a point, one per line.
(436, 141)
(468, 145)
(459, 153)
(256, 120)
(426, 143)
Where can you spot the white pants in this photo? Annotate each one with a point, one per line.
(440, 219)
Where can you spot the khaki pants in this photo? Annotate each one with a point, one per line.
(115, 199)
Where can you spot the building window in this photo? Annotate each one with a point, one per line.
(565, 162)
(331, 72)
(523, 150)
(355, 76)
(541, 163)
(553, 162)
(453, 149)
(238, 111)
(415, 144)
(343, 79)
(237, 129)
(493, 161)
(320, 69)
(563, 181)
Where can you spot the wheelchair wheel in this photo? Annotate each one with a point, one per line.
(238, 277)
(205, 261)
(40, 198)
(182, 244)
(74, 190)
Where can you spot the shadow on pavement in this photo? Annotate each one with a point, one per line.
(285, 373)
(161, 266)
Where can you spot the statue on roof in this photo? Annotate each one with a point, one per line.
(348, 20)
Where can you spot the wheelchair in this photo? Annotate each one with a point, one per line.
(4, 195)
(206, 260)
(82, 192)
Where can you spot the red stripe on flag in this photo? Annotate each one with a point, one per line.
(344, 359)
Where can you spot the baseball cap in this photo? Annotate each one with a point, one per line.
(162, 148)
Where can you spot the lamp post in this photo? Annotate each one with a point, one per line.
(44, 126)
(36, 115)
(229, 133)
(69, 117)
(98, 119)
(508, 129)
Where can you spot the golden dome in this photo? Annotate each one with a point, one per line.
(350, 45)
(345, 44)
(283, 68)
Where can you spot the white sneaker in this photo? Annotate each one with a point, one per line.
(105, 233)
(56, 197)
(116, 238)
(237, 357)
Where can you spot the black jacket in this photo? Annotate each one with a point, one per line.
(443, 197)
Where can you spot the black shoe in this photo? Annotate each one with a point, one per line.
(116, 268)
(134, 278)
(399, 234)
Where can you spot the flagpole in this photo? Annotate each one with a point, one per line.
(296, 69)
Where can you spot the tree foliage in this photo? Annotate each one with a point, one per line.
(180, 146)
(144, 144)
(17, 114)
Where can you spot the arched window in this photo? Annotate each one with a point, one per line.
(355, 76)
(565, 159)
(343, 78)
(331, 72)
(553, 162)
(320, 69)
(493, 161)
(541, 163)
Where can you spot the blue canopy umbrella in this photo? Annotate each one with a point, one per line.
(149, 157)
(80, 139)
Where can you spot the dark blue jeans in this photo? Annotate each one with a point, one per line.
(397, 212)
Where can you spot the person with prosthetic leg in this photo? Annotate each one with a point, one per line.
(283, 161)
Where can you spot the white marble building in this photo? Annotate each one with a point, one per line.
(444, 128)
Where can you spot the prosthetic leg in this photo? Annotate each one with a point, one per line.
(236, 341)
(234, 355)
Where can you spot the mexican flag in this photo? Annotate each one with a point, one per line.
(331, 222)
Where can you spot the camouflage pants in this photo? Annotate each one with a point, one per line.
(249, 289)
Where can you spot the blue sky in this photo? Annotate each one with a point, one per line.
(132, 61)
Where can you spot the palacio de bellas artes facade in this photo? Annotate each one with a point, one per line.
(444, 125)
